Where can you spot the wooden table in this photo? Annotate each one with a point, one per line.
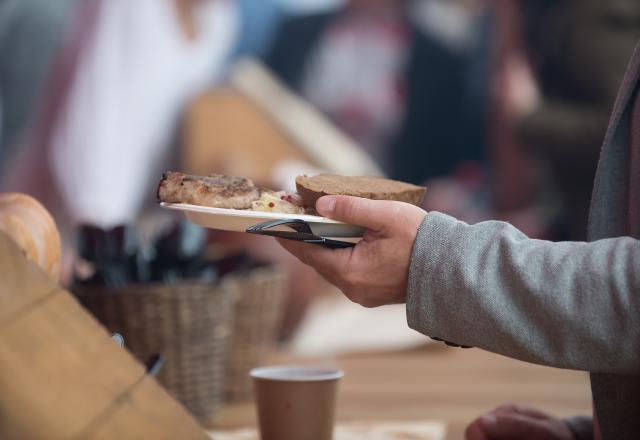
(439, 383)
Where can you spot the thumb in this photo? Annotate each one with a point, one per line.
(512, 425)
(376, 215)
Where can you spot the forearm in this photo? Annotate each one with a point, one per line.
(570, 305)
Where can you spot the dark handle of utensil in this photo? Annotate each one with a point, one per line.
(302, 233)
(154, 364)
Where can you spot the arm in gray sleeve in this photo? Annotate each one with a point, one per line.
(568, 305)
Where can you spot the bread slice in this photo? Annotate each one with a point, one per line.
(377, 188)
(214, 190)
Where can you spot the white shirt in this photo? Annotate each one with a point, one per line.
(134, 77)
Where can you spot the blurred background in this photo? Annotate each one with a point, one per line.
(498, 107)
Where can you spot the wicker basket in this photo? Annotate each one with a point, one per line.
(258, 315)
(189, 324)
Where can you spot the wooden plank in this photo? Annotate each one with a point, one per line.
(225, 132)
(22, 283)
(147, 412)
(60, 370)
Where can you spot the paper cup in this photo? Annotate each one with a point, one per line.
(296, 403)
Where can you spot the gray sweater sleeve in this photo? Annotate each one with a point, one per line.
(568, 305)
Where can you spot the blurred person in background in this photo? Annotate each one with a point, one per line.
(561, 91)
(465, 27)
(259, 20)
(406, 88)
(113, 101)
(30, 34)
(379, 74)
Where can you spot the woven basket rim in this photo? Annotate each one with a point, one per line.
(262, 271)
(143, 288)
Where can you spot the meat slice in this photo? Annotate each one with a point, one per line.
(214, 190)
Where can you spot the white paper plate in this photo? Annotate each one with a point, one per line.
(240, 220)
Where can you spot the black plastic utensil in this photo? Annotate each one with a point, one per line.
(301, 232)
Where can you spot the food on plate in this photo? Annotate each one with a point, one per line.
(279, 201)
(214, 190)
(32, 228)
(220, 191)
(312, 188)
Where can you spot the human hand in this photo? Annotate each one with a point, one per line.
(375, 271)
(517, 422)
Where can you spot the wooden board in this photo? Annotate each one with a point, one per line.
(225, 132)
(15, 274)
(60, 372)
(146, 413)
(255, 124)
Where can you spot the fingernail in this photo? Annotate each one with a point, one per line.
(488, 421)
(326, 205)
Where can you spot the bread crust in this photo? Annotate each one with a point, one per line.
(312, 188)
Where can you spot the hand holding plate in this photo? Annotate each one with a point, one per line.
(375, 271)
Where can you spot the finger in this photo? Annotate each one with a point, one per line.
(475, 431)
(377, 215)
(499, 426)
(330, 263)
(305, 252)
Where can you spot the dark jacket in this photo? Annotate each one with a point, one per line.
(443, 125)
(582, 48)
